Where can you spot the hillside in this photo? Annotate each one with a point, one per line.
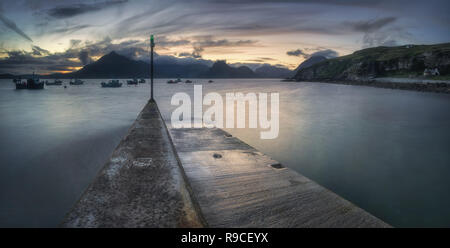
(401, 61)
(310, 62)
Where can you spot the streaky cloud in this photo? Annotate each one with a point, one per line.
(372, 25)
(70, 29)
(10, 24)
(72, 10)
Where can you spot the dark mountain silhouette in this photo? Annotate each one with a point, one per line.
(220, 69)
(118, 66)
(114, 65)
(310, 62)
(270, 71)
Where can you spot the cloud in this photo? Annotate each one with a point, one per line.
(163, 41)
(223, 19)
(74, 43)
(134, 49)
(372, 25)
(20, 62)
(10, 24)
(196, 53)
(327, 53)
(184, 54)
(208, 41)
(199, 43)
(247, 18)
(234, 25)
(297, 53)
(311, 52)
(168, 59)
(80, 53)
(84, 57)
(391, 37)
(364, 3)
(72, 10)
(266, 58)
(380, 32)
(70, 29)
(39, 51)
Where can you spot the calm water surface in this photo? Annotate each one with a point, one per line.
(388, 151)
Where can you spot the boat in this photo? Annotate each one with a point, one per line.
(210, 81)
(172, 82)
(56, 82)
(188, 81)
(288, 80)
(34, 84)
(111, 84)
(76, 82)
(131, 82)
(20, 85)
(142, 81)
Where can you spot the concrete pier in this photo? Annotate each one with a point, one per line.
(204, 177)
(140, 186)
(237, 186)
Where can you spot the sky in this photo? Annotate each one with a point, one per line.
(61, 36)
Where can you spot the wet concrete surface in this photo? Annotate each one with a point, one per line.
(140, 186)
(237, 186)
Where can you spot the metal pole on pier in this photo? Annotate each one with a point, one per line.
(152, 45)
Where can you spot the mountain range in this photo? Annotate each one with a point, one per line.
(400, 61)
(220, 69)
(114, 65)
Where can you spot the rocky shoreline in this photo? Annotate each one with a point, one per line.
(424, 87)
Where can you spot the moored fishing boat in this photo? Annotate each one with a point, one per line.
(112, 84)
(76, 82)
(20, 85)
(34, 84)
(131, 82)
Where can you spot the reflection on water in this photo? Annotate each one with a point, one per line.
(385, 150)
(53, 142)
